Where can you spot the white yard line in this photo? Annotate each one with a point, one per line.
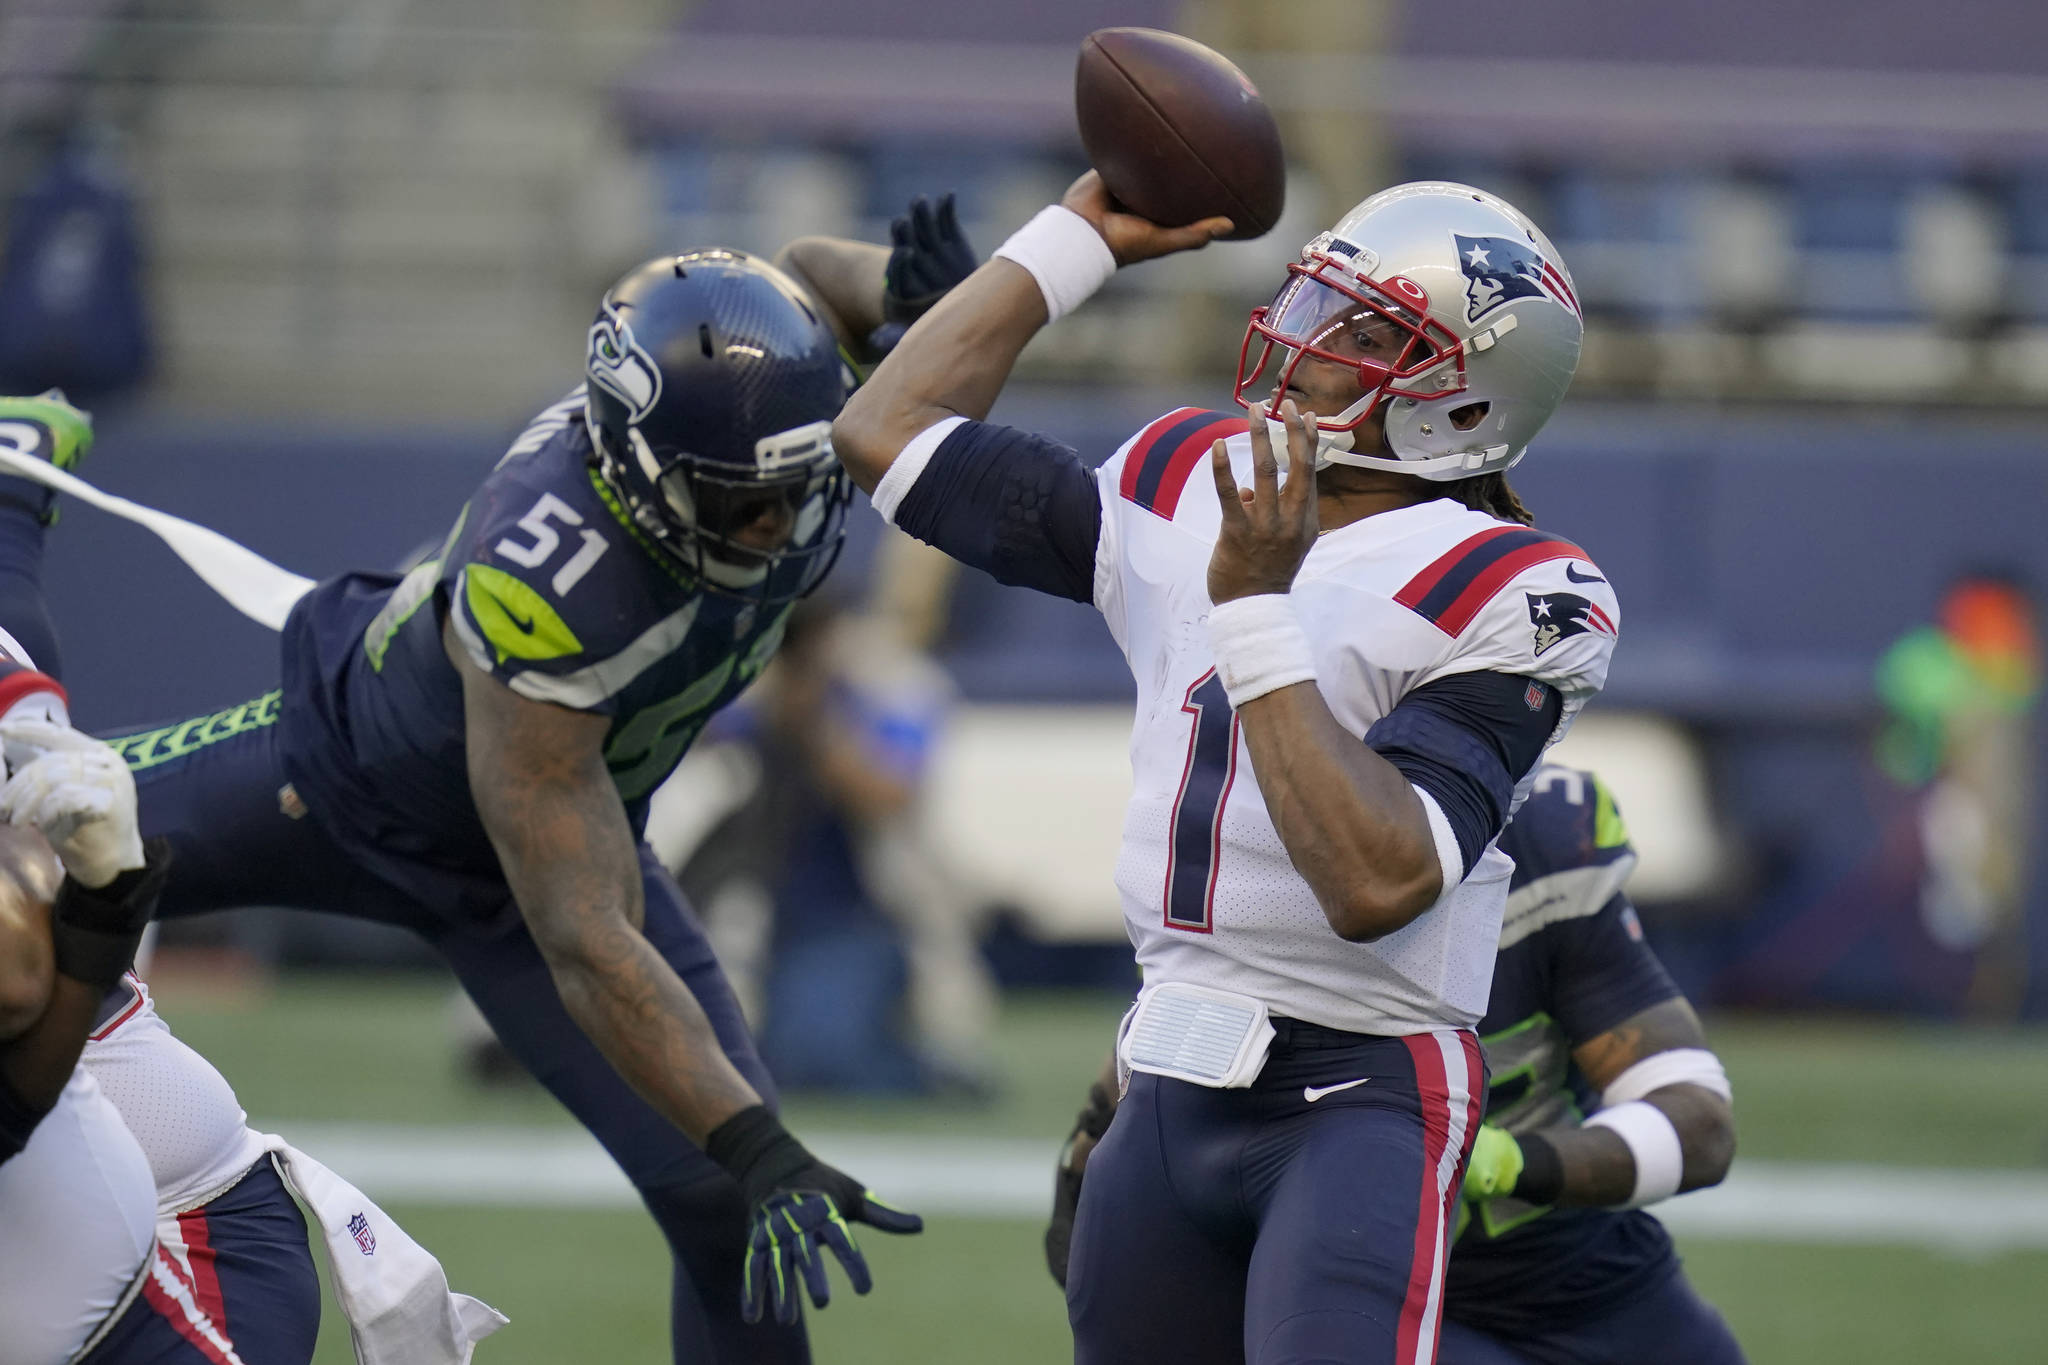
(1974, 1212)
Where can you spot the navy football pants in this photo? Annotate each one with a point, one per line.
(235, 847)
(243, 1290)
(1666, 1322)
(1285, 1223)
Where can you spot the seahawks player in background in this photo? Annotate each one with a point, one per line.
(1553, 1264)
(468, 750)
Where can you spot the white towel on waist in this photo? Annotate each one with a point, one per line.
(393, 1292)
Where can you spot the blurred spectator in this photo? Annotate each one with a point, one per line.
(865, 925)
(1961, 694)
(72, 311)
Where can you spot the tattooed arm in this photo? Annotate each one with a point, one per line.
(1597, 1166)
(537, 774)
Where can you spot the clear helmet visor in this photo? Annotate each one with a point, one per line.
(1380, 334)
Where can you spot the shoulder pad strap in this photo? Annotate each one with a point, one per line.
(1166, 453)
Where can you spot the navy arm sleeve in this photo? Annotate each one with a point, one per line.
(1603, 972)
(1467, 740)
(1021, 507)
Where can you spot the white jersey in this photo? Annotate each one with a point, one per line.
(1389, 603)
(181, 1110)
(77, 1224)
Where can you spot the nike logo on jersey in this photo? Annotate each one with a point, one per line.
(1312, 1093)
(1570, 571)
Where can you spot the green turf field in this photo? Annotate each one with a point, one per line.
(590, 1285)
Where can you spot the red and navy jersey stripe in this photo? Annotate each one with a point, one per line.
(1457, 586)
(1168, 451)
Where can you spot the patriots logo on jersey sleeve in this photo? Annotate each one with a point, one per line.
(1499, 270)
(1561, 615)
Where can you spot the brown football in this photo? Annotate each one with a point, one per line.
(1177, 132)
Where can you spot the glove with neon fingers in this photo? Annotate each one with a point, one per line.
(797, 1206)
(929, 254)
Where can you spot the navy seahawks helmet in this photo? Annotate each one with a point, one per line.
(712, 384)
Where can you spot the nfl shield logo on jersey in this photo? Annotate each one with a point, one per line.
(1500, 269)
(1560, 615)
(365, 1239)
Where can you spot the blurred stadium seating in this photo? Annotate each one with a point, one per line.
(1812, 239)
(1814, 271)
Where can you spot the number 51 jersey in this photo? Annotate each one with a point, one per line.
(1390, 603)
(551, 591)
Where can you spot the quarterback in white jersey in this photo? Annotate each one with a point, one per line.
(1345, 678)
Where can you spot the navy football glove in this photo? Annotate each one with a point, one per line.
(796, 1205)
(1092, 1123)
(929, 255)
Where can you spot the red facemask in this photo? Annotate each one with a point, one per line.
(1379, 330)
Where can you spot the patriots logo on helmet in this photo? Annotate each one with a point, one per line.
(617, 364)
(1501, 269)
(1561, 615)
(365, 1239)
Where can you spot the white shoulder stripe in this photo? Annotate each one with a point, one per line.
(1573, 893)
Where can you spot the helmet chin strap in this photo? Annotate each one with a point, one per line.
(1337, 447)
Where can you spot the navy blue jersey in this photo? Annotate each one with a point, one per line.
(554, 592)
(1572, 965)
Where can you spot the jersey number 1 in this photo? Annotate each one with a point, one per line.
(1195, 839)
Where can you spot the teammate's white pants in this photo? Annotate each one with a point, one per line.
(77, 1220)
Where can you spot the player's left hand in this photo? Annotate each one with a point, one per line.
(929, 255)
(796, 1207)
(78, 792)
(1495, 1165)
(1269, 528)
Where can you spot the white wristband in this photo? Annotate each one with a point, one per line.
(1259, 646)
(1677, 1066)
(1653, 1142)
(1065, 254)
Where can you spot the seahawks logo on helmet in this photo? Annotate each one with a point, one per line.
(1499, 270)
(619, 366)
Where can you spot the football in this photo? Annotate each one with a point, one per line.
(1177, 132)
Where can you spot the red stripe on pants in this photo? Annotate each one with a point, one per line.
(1433, 1087)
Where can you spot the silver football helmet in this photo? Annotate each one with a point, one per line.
(1441, 297)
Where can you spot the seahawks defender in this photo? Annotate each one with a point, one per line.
(468, 751)
(1344, 683)
(1553, 1265)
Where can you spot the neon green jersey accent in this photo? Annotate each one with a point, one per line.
(151, 747)
(660, 556)
(1609, 829)
(518, 622)
(70, 427)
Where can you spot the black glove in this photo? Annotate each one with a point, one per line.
(1066, 1181)
(795, 1202)
(929, 255)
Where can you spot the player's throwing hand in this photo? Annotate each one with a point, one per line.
(1131, 238)
(1268, 528)
(796, 1205)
